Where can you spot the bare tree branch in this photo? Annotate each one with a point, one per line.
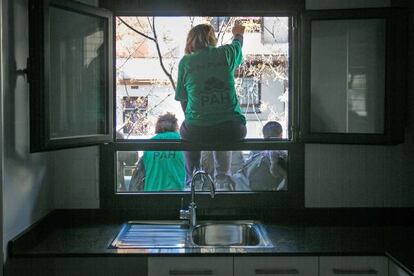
(135, 30)
(157, 45)
(160, 55)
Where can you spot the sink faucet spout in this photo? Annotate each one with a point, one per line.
(191, 213)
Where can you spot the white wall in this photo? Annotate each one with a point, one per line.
(25, 187)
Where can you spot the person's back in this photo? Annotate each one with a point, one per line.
(263, 171)
(207, 76)
(161, 170)
(164, 170)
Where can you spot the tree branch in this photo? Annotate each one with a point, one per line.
(160, 55)
(135, 30)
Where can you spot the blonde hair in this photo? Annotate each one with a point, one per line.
(199, 37)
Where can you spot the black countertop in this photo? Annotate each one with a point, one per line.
(66, 234)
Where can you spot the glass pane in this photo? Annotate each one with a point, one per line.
(76, 96)
(348, 76)
(165, 171)
(144, 89)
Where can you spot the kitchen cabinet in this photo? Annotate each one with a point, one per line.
(353, 81)
(353, 265)
(189, 266)
(249, 266)
(79, 266)
(395, 270)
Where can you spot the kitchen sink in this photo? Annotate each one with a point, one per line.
(178, 234)
(229, 233)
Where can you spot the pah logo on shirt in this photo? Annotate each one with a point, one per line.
(214, 92)
(164, 155)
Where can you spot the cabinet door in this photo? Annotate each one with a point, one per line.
(355, 265)
(190, 266)
(352, 87)
(395, 270)
(280, 266)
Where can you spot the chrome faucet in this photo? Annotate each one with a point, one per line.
(191, 214)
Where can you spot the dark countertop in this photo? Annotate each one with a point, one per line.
(60, 234)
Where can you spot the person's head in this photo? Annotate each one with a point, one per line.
(166, 123)
(200, 37)
(272, 129)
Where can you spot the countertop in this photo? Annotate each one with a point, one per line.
(62, 234)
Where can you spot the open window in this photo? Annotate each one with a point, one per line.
(70, 75)
(353, 76)
(150, 41)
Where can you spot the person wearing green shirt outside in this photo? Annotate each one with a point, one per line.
(161, 170)
(206, 91)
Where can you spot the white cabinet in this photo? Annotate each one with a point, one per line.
(279, 266)
(395, 270)
(353, 265)
(190, 266)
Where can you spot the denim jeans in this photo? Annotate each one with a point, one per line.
(230, 131)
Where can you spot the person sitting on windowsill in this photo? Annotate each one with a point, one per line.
(206, 91)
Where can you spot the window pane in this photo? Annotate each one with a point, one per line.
(165, 171)
(146, 76)
(76, 97)
(348, 76)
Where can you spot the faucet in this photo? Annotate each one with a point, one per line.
(191, 214)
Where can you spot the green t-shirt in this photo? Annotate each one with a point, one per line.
(164, 170)
(206, 82)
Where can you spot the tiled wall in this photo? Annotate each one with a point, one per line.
(75, 175)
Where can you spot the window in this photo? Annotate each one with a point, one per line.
(153, 63)
(147, 68)
(250, 94)
(134, 115)
(70, 83)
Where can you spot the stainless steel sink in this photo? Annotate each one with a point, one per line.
(178, 234)
(230, 234)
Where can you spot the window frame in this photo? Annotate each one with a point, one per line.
(39, 74)
(293, 198)
(395, 76)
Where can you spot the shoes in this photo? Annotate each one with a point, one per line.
(224, 183)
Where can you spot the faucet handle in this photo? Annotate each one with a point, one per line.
(185, 214)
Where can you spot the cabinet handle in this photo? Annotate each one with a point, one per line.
(276, 271)
(191, 272)
(354, 271)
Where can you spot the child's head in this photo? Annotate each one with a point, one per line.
(272, 129)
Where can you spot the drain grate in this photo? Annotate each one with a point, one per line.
(148, 235)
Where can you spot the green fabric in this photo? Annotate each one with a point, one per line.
(164, 170)
(206, 82)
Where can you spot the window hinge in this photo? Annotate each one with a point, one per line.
(25, 71)
(293, 24)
